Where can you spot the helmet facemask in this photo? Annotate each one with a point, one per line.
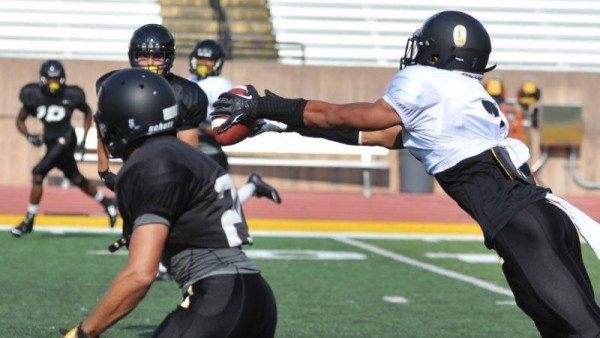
(158, 67)
(154, 42)
(52, 76)
(411, 50)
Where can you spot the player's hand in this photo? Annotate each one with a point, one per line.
(35, 139)
(238, 108)
(75, 332)
(266, 126)
(109, 178)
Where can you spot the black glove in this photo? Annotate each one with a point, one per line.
(109, 179)
(34, 139)
(240, 108)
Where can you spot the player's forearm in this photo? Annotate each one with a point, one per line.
(390, 138)
(350, 137)
(126, 291)
(21, 127)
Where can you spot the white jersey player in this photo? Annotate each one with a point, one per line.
(206, 61)
(444, 117)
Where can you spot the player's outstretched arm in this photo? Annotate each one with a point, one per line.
(302, 113)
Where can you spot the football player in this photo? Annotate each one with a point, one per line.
(206, 61)
(175, 202)
(52, 101)
(152, 47)
(450, 123)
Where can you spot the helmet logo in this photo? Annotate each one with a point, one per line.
(460, 35)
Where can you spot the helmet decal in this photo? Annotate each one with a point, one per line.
(460, 35)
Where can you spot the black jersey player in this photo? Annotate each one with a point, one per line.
(52, 101)
(178, 204)
(152, 47)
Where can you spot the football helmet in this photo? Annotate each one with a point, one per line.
(207, 49)
(450, 40)
(134, 104)
(52, 76)
(152, 40)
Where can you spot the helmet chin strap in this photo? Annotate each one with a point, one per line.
(489, 69)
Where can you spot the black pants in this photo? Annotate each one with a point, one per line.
(240, 305)
(545, 270)
(59, 155)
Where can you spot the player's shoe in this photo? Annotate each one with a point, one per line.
(110, 208)
(25, 227)
(263, 189)
(163, 276)
(163, 273)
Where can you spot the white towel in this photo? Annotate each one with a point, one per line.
(587, 227)
(517, 150)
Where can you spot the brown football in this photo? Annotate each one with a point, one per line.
(235, 133)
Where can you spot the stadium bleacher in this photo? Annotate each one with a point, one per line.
(532, 35)
(72, 29)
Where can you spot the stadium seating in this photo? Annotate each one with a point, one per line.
(544, 35)
(72, 29)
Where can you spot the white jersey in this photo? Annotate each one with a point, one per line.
(447, 115)
(214, 86)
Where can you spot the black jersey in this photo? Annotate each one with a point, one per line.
(191, 100)
(54, 110)
(481, 189)
(174, 183)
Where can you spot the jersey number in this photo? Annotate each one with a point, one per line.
(231, 219)
(51, 114)
(490, 107)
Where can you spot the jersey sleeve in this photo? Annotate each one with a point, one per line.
(153, 192)
(28, 97)
(195, 104)
(78, 97)
(410, 94)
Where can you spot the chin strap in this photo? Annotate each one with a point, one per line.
(489, 69)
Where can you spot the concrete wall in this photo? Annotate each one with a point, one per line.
(334, 84)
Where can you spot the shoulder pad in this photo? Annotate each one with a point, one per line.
(29, 94)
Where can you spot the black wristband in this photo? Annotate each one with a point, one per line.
(341, 136)
(288, 111)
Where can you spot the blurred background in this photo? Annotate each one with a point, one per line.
(336, 50)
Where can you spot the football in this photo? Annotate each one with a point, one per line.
(236, 133)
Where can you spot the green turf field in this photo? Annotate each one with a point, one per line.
(50, 281)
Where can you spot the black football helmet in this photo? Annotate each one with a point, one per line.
(155, 40)
(134, 104)
(450, 40)
(52, 76)
(208, 49)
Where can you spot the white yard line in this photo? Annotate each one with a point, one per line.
(57, 229)
(426, 266)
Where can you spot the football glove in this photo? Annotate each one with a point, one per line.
(109, 178)
(240, 108)
(34, 139)
(75, 332)
(266, 126)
